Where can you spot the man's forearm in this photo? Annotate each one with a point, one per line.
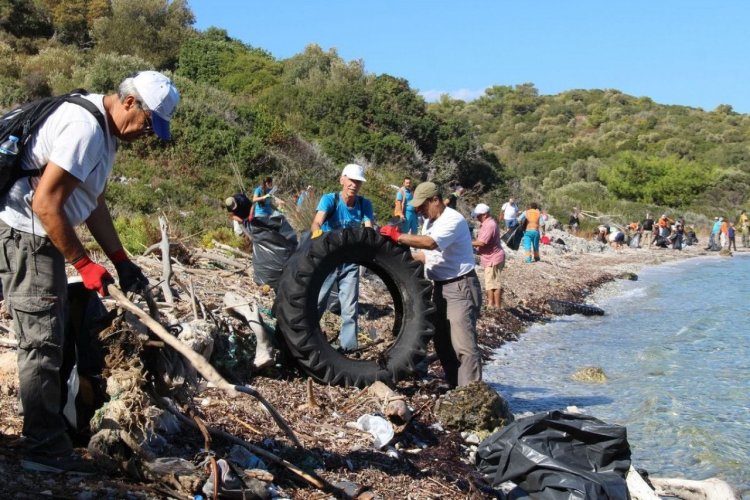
(62, 235)
(417, 241)
(102, 228)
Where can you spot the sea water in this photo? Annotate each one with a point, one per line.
(675, 347)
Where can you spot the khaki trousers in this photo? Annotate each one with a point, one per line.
(458, 308)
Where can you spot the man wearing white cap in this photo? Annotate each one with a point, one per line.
(338, 211)
(448, 261)
(74, 153)
(491, 254)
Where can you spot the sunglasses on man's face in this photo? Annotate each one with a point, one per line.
(148, 126)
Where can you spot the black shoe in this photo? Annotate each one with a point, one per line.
(60, 464)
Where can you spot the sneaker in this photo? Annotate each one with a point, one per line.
(60, 464)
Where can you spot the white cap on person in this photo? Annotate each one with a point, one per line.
(354, 172)
(160, 97)
(480, 209)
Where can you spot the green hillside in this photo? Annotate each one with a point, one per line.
(246, 114)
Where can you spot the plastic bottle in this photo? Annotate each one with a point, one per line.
(9, 146)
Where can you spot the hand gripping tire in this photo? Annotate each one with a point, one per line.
(296, 310)
(567, 307)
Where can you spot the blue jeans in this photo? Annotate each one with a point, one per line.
(409, 226)
(511, 223)
(347, 277)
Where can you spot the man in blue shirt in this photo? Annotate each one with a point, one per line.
(262, 198)
(405, 210)
(338, 211)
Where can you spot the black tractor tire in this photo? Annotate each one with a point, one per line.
(566, 307)
(295, 307)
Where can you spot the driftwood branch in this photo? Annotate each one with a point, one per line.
(8, 342)
(165, 261)
(229, 249)
(199, 362)
(220, 259)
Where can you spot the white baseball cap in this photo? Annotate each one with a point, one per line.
(160, 96)
(480, 209)
(354, 172)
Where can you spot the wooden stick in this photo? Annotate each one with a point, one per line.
(8, 342)
(192, 297)
(245, 424)
(220, 259)
(166, 264)
(231, 249)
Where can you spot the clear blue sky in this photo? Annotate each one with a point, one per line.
(689, 52)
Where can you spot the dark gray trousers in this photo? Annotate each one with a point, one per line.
(34, 284)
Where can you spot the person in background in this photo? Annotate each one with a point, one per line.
(452, 200)
(491, 254)
(713, 239)
(731, 236)
(574, 221)
(239, 206)
(647, 231)
(616, 239)
(601, 233)
(665, 226)
(38, 217)
(677, 238)
(404, 210)
(510, 213)
(530, 241)
(338, 211)
(724, 232)
(744, 222)
(263, 199)
(446, 252)
(303, 195)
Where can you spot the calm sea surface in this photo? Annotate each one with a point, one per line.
(675, 346)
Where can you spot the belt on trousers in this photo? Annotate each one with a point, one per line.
(453, 280)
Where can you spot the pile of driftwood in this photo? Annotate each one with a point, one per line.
(157, 363)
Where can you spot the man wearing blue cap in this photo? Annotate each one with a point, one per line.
(72, 154)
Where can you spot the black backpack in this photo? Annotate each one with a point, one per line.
(23, 121)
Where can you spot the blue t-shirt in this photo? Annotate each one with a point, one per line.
(409, 209)
(344, 216)
(716, 228)
(262, 208)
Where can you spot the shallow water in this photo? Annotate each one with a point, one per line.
(676, 350)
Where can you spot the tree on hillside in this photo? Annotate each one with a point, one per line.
(73, 19)
(213, 57)
(25, 18)
(151, 29)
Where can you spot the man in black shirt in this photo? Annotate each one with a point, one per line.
(239, 206)
(648, 230)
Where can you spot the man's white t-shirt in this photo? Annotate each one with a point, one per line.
(71, 138)
(510, 210)
(454, 256)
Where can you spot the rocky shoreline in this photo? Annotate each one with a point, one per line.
(425, 459)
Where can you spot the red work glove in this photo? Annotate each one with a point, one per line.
(95, 277)
(392, 232)
(131, 276)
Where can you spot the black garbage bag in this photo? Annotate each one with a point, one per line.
(558, 455)
(513, 236)
(274, 241)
